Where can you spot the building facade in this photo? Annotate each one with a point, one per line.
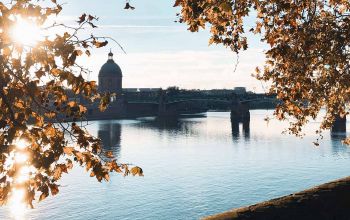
(110, 77)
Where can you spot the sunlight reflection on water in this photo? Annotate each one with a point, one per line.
(17, 206)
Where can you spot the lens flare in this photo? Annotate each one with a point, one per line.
(21, 144)
(25, 32)
(25, 173)
(20, 157)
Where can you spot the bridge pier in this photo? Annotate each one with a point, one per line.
(339, 125)
(239, 111)
(246, 128)
(163, 110)
(239, 114)
(161, 103)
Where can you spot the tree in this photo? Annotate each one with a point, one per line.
(37, 146)
(308, 59)
(172, 91)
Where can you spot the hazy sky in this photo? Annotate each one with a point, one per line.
(162, 53)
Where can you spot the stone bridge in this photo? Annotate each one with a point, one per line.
(170, 106)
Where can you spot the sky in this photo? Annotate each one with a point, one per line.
(161, 52)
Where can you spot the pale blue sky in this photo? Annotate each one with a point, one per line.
(162, 53)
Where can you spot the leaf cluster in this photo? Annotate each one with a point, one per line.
(37, 84)
(307, 63)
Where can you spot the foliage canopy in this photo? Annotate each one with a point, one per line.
(37, 146)
(308, 59)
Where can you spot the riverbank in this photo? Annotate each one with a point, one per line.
(327, 201)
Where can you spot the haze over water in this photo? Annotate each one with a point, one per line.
(194, 167)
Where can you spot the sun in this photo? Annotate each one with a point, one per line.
(25, 32)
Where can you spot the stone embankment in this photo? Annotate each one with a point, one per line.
(330, 201)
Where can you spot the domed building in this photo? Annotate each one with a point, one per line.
(110, 77)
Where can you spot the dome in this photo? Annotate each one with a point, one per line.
(110, 68)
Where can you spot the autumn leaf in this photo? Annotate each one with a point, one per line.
(54, 189)
(226, 6)
(92, 174)
(346, 141)
(82, 108)
(69, 164)
(19, 104)
(43, 196)
(72, 104)
(39, 121)
(128, 6)
(50, 131)
(57, 173)
(99, 44)
(177, 3)
(82, 18)
(136, 171)
(39, 73)
(42, 87)
(68, 150)
(109, 154)
(106, 177)
(56, 72)
(45, 192)
(50, 114)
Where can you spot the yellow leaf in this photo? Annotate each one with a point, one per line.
(106, 177)
(50, 131)
(177, 3)
(39, 121)
(56, 72)
(79, 155)
(50, 114)
(6, 51)
(43, 196)
(68, 150)
(71, 104)
(136, 171)
(54, 189)
(109, 154)
(69, 164)
(226, 7)
(57, 173)
(19, 104)
(82, 108)
(79, 52)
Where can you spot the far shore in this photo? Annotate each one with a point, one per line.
(326, 201)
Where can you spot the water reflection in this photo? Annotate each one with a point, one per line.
(196, 175)
(110, 134)
(336, 141)
(173, 125)
(246, 130)
(235, 127)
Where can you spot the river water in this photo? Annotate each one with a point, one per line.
(194, 167)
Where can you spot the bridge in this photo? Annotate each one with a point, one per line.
(165, 105)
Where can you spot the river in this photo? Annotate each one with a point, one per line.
(194, 167)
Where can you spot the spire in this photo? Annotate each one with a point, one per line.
(110, 55)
